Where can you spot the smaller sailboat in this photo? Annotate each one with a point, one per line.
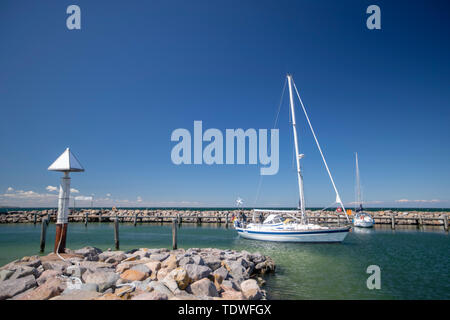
(361, 219)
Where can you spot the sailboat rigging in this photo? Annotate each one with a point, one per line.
(276, 227)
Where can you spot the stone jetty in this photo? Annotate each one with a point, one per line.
(139, 274)
(210, 216)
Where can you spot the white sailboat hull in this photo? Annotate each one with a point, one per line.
(329, 235)
(363, 224)
(363, 221)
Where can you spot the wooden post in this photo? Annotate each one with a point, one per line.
(135, 219)
(116, 233)
(445, 218)
(86, 218)
(43, 233)
(174, 234)
(392, 222)
(180, 220)
(100, 216)
(60, 238)
(35, 217)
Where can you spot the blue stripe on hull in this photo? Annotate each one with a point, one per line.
(293, 233)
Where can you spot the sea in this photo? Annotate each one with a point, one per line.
(414, 262)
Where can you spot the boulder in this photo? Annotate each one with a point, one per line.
(181, 277)
(197, 272)
(170, 263)
(59, 266)
(232, 295)
(11, 287)
(5, 274)
(104, 279)
(162, 273)
(185, 260)
(222, 272)
(47, 274)
(251, 290)
(228, 285)
(153, 266)
(49, 289)
(159, 256)
(159, 287)
(142, 268)
(203, 287)
(154, 295)
(133, 275)
(23, 271)
(198, 260)
(213, 262)
(89, 253)
(78, 295)
(108, 296)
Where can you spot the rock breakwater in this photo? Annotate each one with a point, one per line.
(139, 274)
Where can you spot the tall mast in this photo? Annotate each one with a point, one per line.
(297, 155)
(358, 187)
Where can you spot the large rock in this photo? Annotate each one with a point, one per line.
(59, 265)
(78, 295)
(47, 274)
(181, 277)
(197, 272)
(49, 289)
(222, 272)
(89, 253)
(11, 287)
(251, 290)
(159, 256)
(133, 275)
(203, 287)
(154, 266)
(185, 260)
(112, 256)
(154, 295)
(236, 270)
(170, 263)
(142, 268)
(159, 287)
(232, 295)
(213, 262)
(5, 274)
(104, 279)
(23, 271)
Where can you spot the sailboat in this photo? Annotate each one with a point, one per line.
(361, 219)
(293, 229)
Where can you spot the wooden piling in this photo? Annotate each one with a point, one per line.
(86, 218)
(43, 233)
(116, 233)
(135, 219)
(35, 218)
(174, 234)
(445, 218)
(100, 216)
(392, 222)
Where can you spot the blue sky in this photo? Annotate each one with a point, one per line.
(137, 70)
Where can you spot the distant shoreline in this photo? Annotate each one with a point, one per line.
(5, 209)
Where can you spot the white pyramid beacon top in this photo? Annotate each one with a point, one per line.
(66, 162)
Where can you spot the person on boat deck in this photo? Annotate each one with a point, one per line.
(261, 217)
(244, 217)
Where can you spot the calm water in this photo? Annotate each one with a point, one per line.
(415, 264)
